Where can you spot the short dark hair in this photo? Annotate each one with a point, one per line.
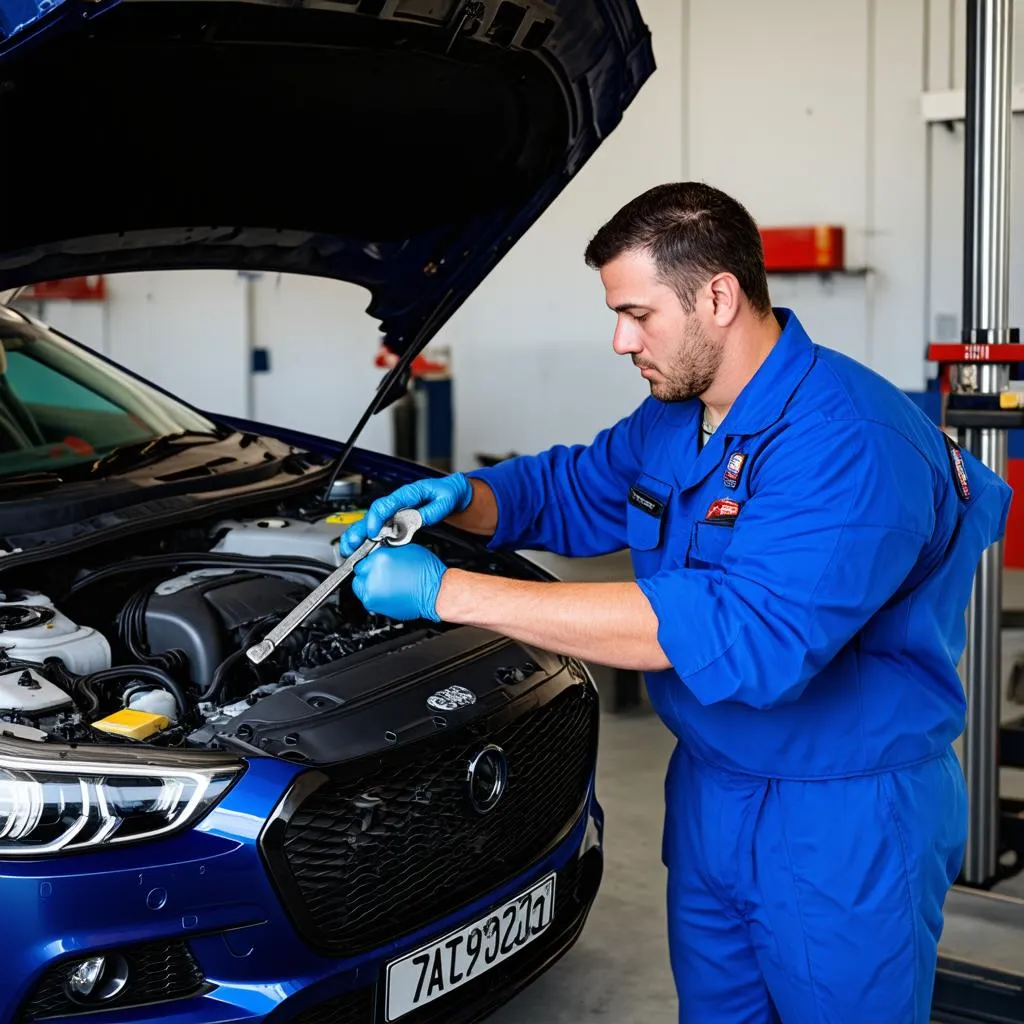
(692, 232)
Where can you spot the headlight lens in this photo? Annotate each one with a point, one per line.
(43, 811)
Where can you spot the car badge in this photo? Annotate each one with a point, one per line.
(487, 778)
(451, 699)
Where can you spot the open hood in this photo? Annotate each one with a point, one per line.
(402, 145)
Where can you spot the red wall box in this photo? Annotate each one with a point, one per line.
(92, 288)
(820, 247)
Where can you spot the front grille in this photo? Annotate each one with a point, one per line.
(376, 857)
(576, 887)
(157, 972)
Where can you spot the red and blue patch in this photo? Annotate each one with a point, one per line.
(723, 510)
(734, 468)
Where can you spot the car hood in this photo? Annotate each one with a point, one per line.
(402, 145)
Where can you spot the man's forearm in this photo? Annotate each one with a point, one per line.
(481, 517)
(609, 624)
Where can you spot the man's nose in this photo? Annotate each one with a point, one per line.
(626, 340)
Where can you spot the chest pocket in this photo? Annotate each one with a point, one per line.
(647, 509)
(710, 541)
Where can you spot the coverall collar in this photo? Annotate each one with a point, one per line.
(757, 407)
(765, 397)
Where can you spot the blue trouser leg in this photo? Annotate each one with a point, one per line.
(821, 899)
(710, 821)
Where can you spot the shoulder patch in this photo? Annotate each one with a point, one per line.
(959, 470)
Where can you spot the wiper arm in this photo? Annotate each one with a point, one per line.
(143, 452)
(28, 483)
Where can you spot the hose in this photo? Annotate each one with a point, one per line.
(150, 672)
(221, 672)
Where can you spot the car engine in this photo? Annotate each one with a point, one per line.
(151, 648)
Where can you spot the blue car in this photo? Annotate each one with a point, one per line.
(381, 821)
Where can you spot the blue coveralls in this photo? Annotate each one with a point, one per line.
(810, 569)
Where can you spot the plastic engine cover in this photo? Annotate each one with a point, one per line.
(282, 537)
(202, 614)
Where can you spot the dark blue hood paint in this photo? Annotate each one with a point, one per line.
(402, 145)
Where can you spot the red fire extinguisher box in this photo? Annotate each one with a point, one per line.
(820, 247)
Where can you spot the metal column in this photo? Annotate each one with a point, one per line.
(985, 321)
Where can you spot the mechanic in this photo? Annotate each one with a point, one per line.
(804, 542)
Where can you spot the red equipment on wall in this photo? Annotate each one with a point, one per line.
(77, 289)
(820, 248)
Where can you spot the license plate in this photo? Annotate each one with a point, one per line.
(442, 966)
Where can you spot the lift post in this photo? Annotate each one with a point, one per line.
(977, 408)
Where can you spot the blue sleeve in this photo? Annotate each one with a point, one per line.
(839, 513)
(570, 500)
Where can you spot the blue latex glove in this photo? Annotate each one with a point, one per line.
(436, 499)
(401, 583)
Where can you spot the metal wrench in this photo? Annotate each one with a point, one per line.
(398, 530)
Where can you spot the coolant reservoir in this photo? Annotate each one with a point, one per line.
(31, 629)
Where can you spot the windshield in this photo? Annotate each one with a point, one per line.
(61, 406)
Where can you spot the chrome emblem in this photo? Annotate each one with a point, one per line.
(451, 699)
(487, 778)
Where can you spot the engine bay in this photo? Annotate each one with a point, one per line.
(144, 640)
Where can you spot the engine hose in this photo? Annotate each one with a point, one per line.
(221, 672)
(202, 560)
(151, 672)
(131, 624)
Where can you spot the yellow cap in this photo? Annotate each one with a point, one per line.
(1011, 400)
(135, 725)
(346, 518)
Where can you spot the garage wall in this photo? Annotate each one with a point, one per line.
(807, 113)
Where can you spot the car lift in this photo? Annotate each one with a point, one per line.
(981, 406)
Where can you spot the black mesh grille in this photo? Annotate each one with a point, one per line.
(379, 856)
(481, 996)
(156, 972)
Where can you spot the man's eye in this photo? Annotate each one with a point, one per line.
(640, 317)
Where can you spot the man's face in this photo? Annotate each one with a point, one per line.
(669, 346)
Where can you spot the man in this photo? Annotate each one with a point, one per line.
(804, 542)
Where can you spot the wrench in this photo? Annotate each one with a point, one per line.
(398, 530)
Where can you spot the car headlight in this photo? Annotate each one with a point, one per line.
(46, 809)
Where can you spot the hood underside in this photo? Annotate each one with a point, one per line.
(401, 145)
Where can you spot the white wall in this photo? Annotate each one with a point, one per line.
(806, 112)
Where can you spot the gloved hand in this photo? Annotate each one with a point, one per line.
(436, 499)
(401, 582)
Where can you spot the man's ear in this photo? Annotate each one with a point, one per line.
(726, 296)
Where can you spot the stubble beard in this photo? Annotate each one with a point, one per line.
(692, 370)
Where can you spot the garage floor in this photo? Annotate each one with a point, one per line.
(618, 971)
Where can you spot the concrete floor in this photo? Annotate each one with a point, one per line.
(619, 972)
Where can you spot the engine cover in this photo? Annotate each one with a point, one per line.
(206, 614)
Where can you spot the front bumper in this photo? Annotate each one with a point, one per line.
(199, 918)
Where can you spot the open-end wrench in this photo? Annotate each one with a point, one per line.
(398, 530)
